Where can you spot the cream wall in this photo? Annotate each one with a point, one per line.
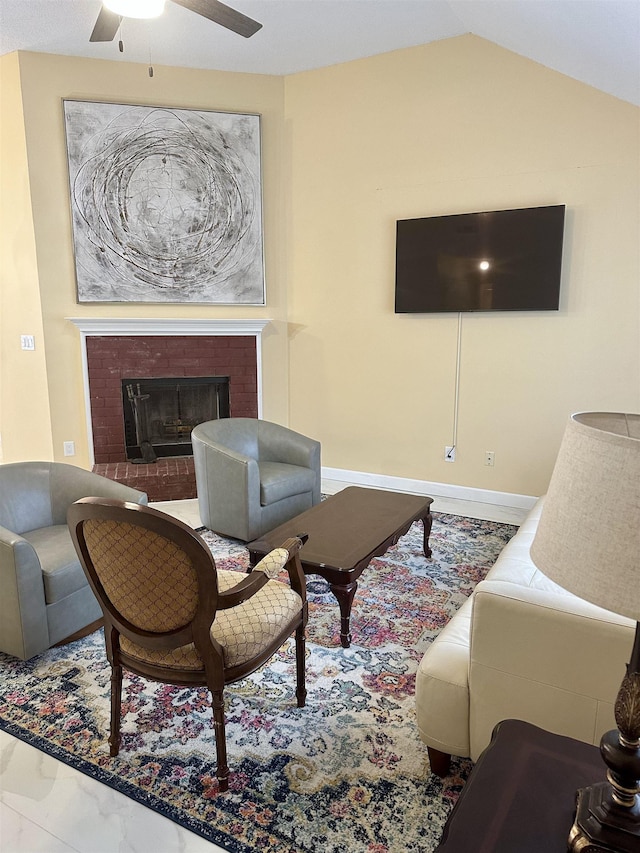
(455, 126)
(25, 425)
(45, 80)
(452, 127)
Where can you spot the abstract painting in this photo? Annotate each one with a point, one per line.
(166, 204)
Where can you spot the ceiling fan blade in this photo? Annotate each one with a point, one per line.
(106, 26)
(223, 15)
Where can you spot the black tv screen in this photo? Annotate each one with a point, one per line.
(501, 260)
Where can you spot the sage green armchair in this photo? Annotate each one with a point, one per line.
(253, 475)
(44, 594)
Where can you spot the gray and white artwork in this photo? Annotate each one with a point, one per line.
(166, 204)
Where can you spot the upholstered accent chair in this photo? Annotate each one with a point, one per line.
(253, 475)
(44, 595)
(171, 616)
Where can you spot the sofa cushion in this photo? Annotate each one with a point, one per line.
(61, 570)
(278, 480)
(518, 569)
(514, 564)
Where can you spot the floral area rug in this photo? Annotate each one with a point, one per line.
(346, 774)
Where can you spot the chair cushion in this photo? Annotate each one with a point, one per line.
(149, 580)
(184, 657)
(246, 630)
(243, 631)
(278, 480)
(61, 570)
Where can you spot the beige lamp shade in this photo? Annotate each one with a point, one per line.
(588, 537)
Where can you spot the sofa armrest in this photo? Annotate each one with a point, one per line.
(285, 445)
(550, 659)
(23, 617)
(442, 687)
(228, 487)
(281, 444)
(69, 484)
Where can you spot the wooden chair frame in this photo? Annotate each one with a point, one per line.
(214, 674)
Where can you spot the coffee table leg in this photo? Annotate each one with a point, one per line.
(427, 521)
(345, 595)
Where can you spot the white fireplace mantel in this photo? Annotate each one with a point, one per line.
(169, 326)
(113, 326)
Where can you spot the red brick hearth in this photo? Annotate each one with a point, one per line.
(112, 358)
(167, 479)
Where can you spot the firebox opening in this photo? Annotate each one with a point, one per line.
(159, 414)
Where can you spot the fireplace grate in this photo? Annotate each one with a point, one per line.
(160, 413)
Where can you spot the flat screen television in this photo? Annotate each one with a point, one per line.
(500, 260)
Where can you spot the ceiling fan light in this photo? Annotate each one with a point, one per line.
(136, 8)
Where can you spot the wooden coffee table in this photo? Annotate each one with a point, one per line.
(346, 531)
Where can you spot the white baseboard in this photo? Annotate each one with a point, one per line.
(424, 487)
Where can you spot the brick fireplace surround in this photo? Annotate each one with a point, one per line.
(111, 357)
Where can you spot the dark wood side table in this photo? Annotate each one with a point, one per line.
(521, 795)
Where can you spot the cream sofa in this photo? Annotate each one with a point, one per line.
(520, 647)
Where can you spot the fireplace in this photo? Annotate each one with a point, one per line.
(160, 413)
(115, 362)
(115, 349)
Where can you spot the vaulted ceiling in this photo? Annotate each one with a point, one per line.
(595, 41)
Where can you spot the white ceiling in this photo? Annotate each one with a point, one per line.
(595, 41)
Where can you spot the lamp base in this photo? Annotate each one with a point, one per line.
(600, 825)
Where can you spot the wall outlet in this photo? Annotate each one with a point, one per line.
(449, 454)
(69, 448)
(489, 458)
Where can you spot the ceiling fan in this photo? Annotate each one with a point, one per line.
(113, 11)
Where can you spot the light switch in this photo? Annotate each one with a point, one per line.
(27, 342)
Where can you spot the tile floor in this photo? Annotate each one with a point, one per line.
(47, 807)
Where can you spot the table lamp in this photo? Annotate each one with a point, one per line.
(588, 541)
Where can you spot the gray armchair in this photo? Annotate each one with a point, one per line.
(253, 475)
(44, 594)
